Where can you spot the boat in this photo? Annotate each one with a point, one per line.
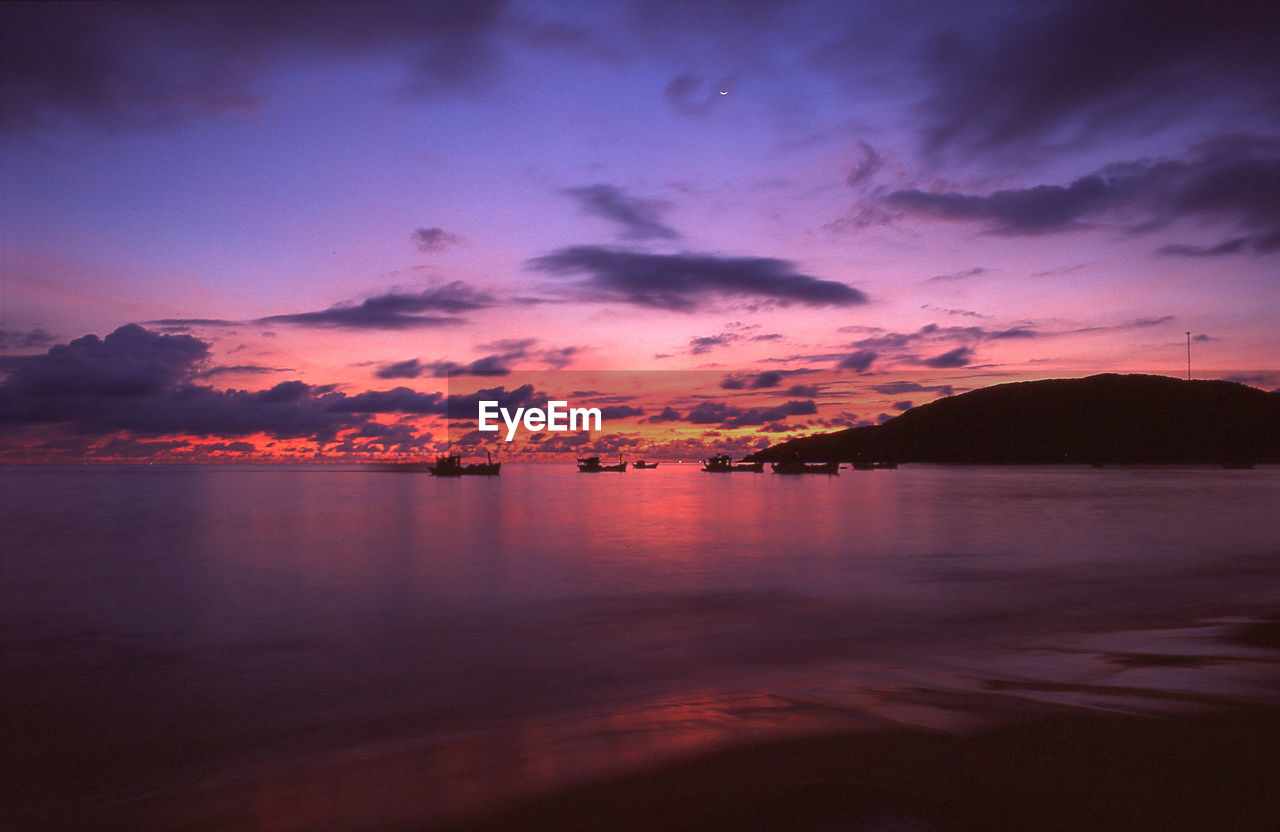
(724, 464)
(797, 467)
(451, 466)
(640, 463)
(592, 465)
(867, 465)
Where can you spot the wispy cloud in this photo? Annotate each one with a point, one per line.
(395, 310)
(498, 363)
(27, 339)
(433, 239)
(641, 219)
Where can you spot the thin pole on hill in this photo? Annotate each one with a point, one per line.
(1188, 356)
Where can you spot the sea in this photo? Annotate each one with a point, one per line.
(337, 647)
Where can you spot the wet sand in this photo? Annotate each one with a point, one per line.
(1170, 729)
(1067, 771)
(1048, 768)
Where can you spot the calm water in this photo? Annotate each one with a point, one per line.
(243, 643)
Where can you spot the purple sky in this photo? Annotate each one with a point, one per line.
(357, 198)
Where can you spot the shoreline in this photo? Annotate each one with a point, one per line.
(1030, 766)
(1209, 770)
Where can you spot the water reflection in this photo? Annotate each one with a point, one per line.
(295, 632)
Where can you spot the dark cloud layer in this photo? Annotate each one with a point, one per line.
(641, 219)
(142, 383)
(129, 362)
(1233, 180)
(1067, 71)
(395, 310)
(156, 63)
(679, 282)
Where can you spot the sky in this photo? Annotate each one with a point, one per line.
(308, 231)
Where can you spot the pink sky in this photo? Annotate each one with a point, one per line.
(366, 199)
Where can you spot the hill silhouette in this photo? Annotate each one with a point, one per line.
(1109, 418)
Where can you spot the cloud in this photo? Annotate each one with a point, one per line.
(186, 324)
(904, 405)
(964, 313)
(1055, 74)
(154, 64)
(1042, 208)
(688, 96)
(557, 358)
(508, 350)
(1231, 179)
(960, 275)
(641, 219)
(895, 388)
(769, 378)
(395, 310)
(865, 167)
(679, 282)
(129, 362)
(433, 239)
(958, 357)
(32, 338)
(668, 414)
(510, 346)
(859, 361)
(1257, 244)
(728, 416)
(758, 381)
(703, 344)
(619, 411)
(1142, 323)
(489, 365)
(142, 383)
(241, 370)
(411, 368)
(931, 333)
(457, 406)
